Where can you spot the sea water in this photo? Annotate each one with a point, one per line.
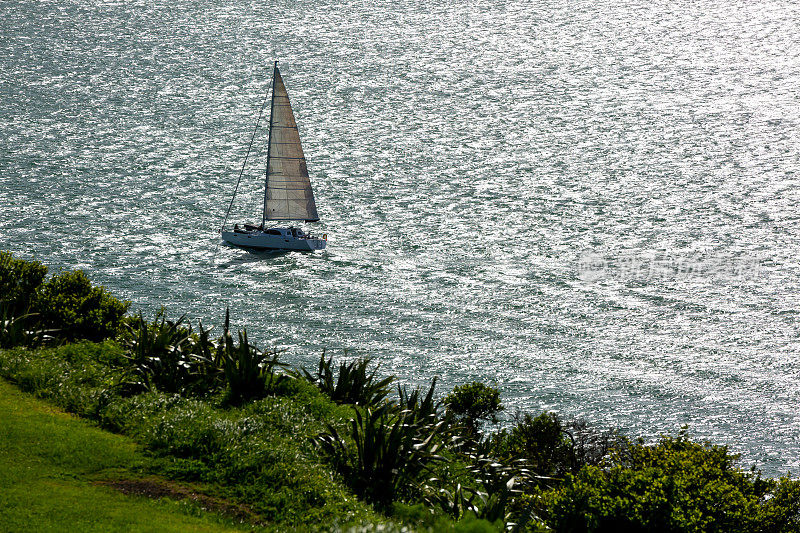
(592, 205)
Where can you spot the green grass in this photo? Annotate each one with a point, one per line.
(52, 470)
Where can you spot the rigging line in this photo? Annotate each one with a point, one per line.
(249, 148)
(241, 173)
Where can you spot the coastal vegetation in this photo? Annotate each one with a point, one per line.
(58, 473)
(338, 447)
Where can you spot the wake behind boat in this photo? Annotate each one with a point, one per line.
(287, 188)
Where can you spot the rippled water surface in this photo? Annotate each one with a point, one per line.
(592, 204)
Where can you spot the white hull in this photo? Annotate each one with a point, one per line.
(259, 240)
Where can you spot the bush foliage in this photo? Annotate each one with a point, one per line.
(386, 453)
(65, 306)
(674, 485)
(19, 281)
(69, 304)
(541, 440)
(354, 384)
(473, 404)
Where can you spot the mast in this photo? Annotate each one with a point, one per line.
(269, 144)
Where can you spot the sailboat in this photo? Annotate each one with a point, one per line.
(287, 189)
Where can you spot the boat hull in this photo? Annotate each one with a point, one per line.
(263, 241)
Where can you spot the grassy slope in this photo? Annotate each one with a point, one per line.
(253, 462)
(50, 463)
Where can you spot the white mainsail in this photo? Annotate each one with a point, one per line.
(288, 194)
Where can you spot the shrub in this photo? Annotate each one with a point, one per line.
(498, 486)
(132, 415)
(781, 512)
(157, 353)
(472, 404)
(419, 408)
(208, 361)
(79, 377)
(21, 330)
(542, 441)
(593, 446)
(354, 385)
(491, 489)
(388, 454)
(420, 516)
(68, 303)
(249, 372)
(19, 281)
(495, 488)
(258, 454)
(676, 485)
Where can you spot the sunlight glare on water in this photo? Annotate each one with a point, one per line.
(593, 205)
